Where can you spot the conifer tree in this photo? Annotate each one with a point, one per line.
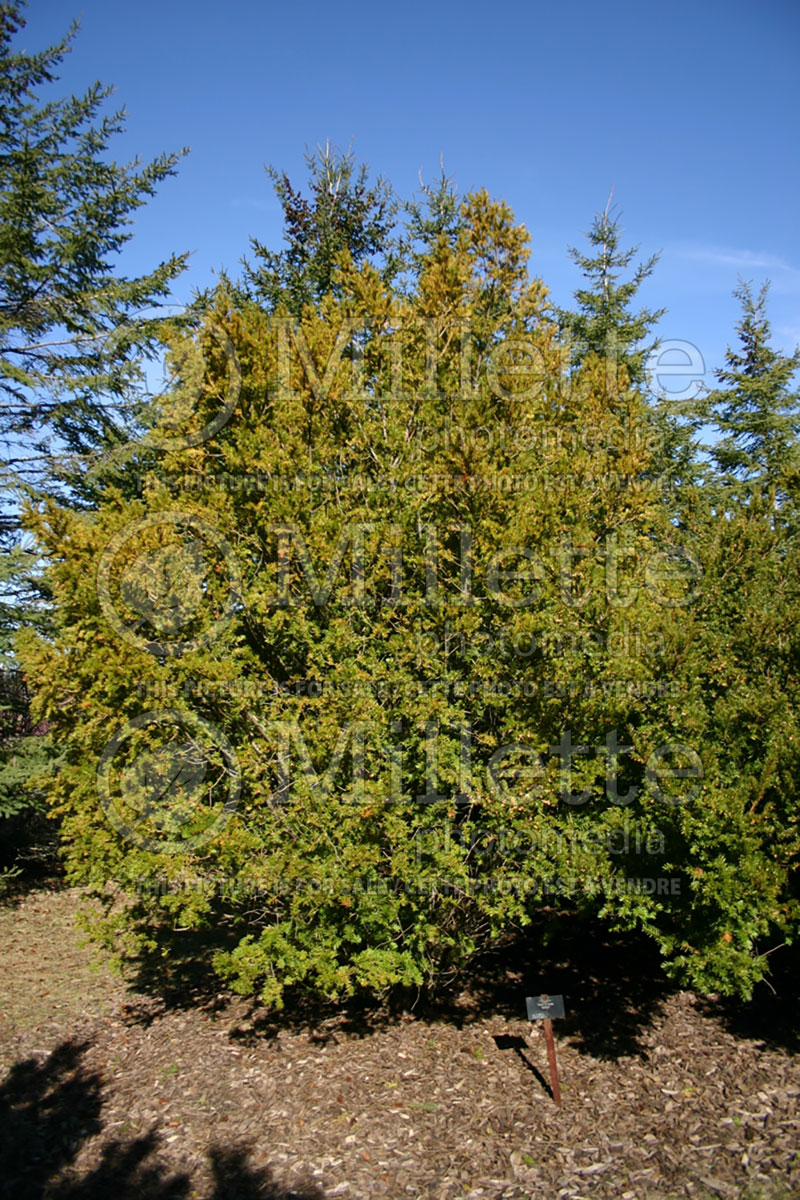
(72, 329)
(431, 644)
(603, 322)
(344, 214)
(434, 219)
(757, 410)
(406, 649)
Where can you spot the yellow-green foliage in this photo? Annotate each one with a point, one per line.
(357, 790)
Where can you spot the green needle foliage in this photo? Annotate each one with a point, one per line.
(757, 410)
(603, 322)
(377, 634)
(72, 329)
(436, 217)
(410, 648)
(345, 215)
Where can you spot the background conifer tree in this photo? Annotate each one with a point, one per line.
(343, 215)
(73, 329)
(757, 410)
(64, 209)
(603, 322)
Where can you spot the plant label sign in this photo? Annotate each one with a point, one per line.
(546, 1008)
(541, 1007)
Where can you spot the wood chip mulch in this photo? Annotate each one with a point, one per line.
(129, 1097)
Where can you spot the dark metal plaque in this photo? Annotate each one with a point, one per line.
(540, 1007)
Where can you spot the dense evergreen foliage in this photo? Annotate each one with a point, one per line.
(73, 334)
(757, 410)
(602, 322)
(345, 215)
(424, 619)
(64, 208)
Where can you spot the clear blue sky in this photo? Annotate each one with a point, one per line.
(690, 111)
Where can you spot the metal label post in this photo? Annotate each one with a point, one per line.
(547, 1008)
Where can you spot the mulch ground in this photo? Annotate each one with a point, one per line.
(108, 1093)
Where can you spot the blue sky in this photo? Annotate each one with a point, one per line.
(690, 112)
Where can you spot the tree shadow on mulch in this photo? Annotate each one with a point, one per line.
(50, 1109)
(29, 859)
(771, 1016)
(613, 986)
(177, 971)
(613, 989)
